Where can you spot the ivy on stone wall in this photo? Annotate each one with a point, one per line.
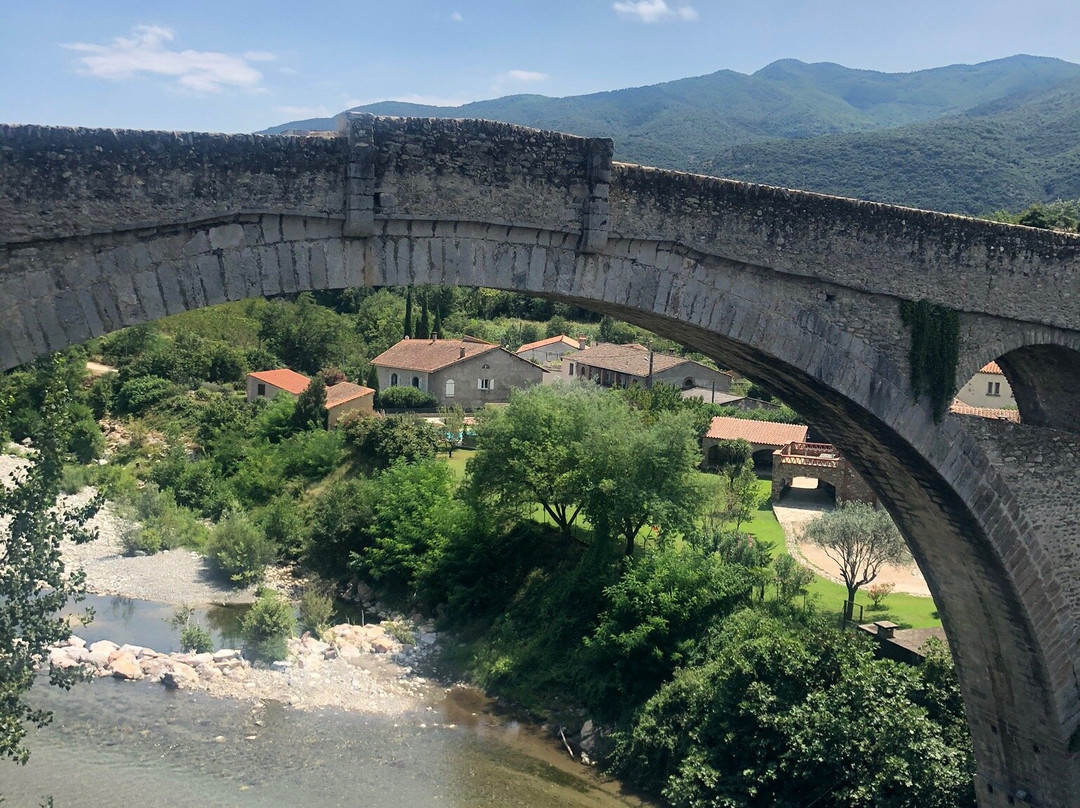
(935, 351)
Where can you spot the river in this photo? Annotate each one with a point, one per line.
(134, 742)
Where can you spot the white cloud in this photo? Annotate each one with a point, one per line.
(652, 11)
(456, 17)
(145, 52)
(523, 76)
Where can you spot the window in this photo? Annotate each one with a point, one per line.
(688, 383)
(449, 388)
(262, 390)
(416, 382)
(485, 384)
(571, 368)
(393, 380)
(993, 388)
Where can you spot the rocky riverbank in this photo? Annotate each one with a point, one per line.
(358, 668)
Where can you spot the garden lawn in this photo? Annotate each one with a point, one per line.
(907, 611)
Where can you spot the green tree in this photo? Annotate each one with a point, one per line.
(310, 412)
(453, 428)
(240, 548)
(378, 321)
(407, 330)
(267, 627)
(437, 328)
(304, 335)
(34, 586)
(423, 327)
(379, 442)
(860, 539)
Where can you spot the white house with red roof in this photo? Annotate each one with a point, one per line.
(268, 383)
(343, 398)
(468, 371)
(988, 389)
(549, 352)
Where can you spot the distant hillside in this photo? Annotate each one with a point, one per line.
(964, 138)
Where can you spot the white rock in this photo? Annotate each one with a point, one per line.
(104, 646)
(225, 654)
(126, 667)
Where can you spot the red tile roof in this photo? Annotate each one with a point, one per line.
(565, 340)
(285, 379)
(763, 433)
(960, 408)
(343, 392)
(428, 355)
(991, 367)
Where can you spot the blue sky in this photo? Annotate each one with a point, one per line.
(233, 67)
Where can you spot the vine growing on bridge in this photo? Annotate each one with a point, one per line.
(934, 352)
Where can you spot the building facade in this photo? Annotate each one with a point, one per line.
(611, 365)
(988, 389)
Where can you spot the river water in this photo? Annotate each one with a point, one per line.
(137, 743)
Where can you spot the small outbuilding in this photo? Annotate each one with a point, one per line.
(268, 383)
(346, 398)
(764, 437)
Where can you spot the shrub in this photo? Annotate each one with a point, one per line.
(136, 540)
(267, 626)
(379, 442)
(405, 398)
(240, 549)
(283, 524)
(86, 441)
(196, 639)
(141, 393)
(400, 631)
(878, 592)
(75, 478)
(316, 607)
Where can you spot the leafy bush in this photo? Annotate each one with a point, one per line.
(405, 398)
(379, 442)
(267, 626)
(340, 517)
(878, 591)
(196, 640)
(240, 549)
(140, 540)
(86, 441)
(316, 607)
(283, 523)
(139, 394)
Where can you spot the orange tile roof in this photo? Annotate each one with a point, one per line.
(960, 408)
(285, 379)
(573, 343)
(763, 433)
(991, 367)
(342, 392)
(428, 355)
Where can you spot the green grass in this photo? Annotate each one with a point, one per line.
(908, 611)
(458, 461)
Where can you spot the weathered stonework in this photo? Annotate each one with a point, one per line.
(102, 229)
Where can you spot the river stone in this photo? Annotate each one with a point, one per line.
(125, 667)
(99, 659)
(225, 654)
(383, 645)
(180, 676)
(62, 658)
(74, 642)
(349, 652)
(104, 646)
(134, 650)
(208, 672)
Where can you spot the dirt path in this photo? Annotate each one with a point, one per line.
(803, 503)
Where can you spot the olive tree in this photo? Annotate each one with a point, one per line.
(861, 540)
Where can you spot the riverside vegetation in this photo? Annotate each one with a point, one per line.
(585, 566)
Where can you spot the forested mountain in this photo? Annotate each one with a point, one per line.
(966, 138)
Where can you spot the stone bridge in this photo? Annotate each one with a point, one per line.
(105, 229)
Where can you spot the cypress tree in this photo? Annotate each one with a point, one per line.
(408, 314)
(423, 328)
(437, 330)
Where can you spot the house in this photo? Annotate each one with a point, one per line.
(764, 437)
(468, 371)
(346, 398)
(612, 365)
(268, 383)
(549, 352)
(988, 389)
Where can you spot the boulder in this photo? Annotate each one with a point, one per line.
(125, 666)
(207, 672)
(103, 646)
(99, 659)
(384, 645)
(225, 654)
(62, 658)
(179, 676)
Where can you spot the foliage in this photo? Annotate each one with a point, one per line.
(730, 456)
(196, 640)
(304, 335)
(787, 711)
(860, 539)
(310, 411)
(379, 442)
(140, 393)
(653, 621)
(240, 548)
(283, 524)
(406, 398)
(1057, 215)
(34, 585)
(791, 578)
(453, 428)
(267, 626)
(878, 591)
(400, 631)
(316, 607)
(86, 441)
(934, 352)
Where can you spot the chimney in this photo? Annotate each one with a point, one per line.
(582, 342)
(885, 629)
(434, 336)
(461, 352)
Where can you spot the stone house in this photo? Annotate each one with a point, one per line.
(821, 462)
(346, 398)
(468, 372)
(549, 352)
(611, 365)
(988, 389)
(268, 383)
